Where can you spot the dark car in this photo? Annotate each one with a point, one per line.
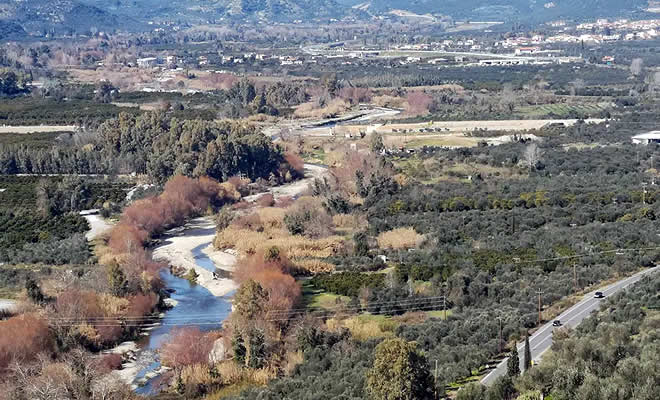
(556, 323)
(599, 295)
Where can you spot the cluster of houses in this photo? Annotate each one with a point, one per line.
(172, 62)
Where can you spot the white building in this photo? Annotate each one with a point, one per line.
(647, 138)
(148, 62)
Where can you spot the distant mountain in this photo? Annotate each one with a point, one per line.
(200, 11)
(196, 11)
(525, 10)
(57, 16)
(77, 16)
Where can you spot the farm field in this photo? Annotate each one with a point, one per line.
(464, 126)
(565, 110)
(415, 141)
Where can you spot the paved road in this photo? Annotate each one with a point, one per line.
(542, 339)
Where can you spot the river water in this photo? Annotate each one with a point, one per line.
(195, 307)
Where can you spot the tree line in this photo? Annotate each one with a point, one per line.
(158, 146)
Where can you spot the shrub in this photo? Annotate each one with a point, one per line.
(23, 337)
(109, 362)
(307, 217)
(348, 283)
(191, 276)
(418, 103)
(187, 346)
(296, 163)
(266, 200)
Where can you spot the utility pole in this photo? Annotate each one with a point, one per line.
(575, 282)
(499, 344)
(643, 192)
(435, 380)
(539, 293)
(513, 224)
(444, 305)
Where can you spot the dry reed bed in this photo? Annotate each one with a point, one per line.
(400, 238)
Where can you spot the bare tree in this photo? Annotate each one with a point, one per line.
(576, 86)
(532, 156)
(636, 66)
(653, 81)
(508, 97)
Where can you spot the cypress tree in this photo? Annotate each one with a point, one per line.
(513, 364)
(528, 354)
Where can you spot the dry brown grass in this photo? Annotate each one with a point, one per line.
(349, 222)
(291, 360)
(295, 247)
(197, 374)
(411, 318)
(113, 305)
(231, 191)
(364, 327)
(400, 238)
(310, 110)
(314, 266)
(272, 217)
(230, 372)
(104, 254)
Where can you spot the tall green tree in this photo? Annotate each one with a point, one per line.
(399, 372)
(116, 279)
(361, 244)
(527, 360)
(513, 364)
(247, 316)
(377, 144)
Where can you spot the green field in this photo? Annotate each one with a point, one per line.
(440, 314)
(315, 298)
(564, 110)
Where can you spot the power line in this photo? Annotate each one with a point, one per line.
(576, 256)
(377, 308)
(421, 307)
(296, 310)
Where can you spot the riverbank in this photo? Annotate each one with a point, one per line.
(177, 250)
(205, 304)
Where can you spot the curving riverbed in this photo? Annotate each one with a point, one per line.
(206, 304)
(194, 306)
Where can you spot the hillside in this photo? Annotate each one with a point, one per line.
(58, 16)
(538, 11)
(9, 29)
(38, 17)
(196, 11)
(202, 11)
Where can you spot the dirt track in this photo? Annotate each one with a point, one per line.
(37, 129)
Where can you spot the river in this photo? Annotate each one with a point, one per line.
(195, 306)
(205, 305)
